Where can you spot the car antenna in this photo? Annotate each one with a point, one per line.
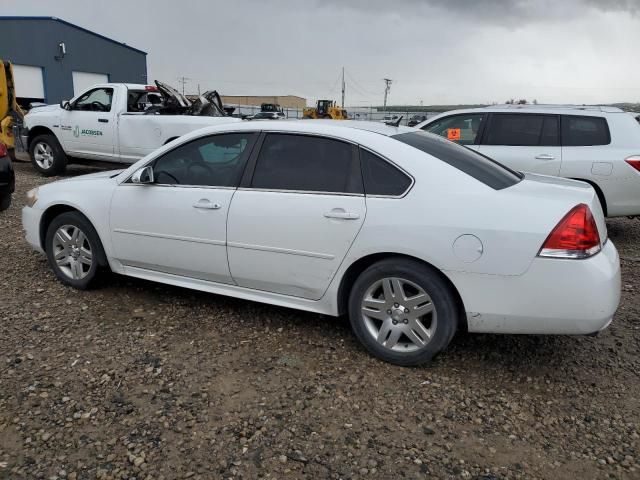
(396, 123)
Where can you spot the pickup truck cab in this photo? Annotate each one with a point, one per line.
(113, 122)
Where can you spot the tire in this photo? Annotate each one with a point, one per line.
(5, 202)
(47, 155)
(80, 255)
(405, 338)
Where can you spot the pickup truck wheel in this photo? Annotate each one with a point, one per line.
(47, 155)
(5, 201)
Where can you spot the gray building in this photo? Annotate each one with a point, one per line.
(54, 60)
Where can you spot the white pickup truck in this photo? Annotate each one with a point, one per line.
(113, 122)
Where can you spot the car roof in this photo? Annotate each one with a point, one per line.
(549, 109)
(374, 127)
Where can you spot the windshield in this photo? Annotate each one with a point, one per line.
(482, 168)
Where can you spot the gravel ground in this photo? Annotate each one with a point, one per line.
(136, 380)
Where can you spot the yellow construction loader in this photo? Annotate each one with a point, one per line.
(325, 109)
(10, 111)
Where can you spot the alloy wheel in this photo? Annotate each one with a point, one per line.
(399, 314)
(43, 155)
(72, 252)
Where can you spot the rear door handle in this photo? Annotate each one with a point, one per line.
(206, 204)
(545, 156)
(341, 214)
(103, 120)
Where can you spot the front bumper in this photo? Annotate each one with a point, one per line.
(31, 225)
(554, 296)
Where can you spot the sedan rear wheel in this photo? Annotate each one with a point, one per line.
(399, 314)
(403, 311)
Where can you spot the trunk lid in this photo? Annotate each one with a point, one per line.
(566, 194)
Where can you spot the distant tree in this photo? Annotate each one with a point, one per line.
(510, 102)
(522, 101)
(535, 102)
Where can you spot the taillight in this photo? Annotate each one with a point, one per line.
(3, 150)
(151, 88)
(575, 236)
(634, 161)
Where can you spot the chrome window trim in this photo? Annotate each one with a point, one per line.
(126, 181)
(172, 185)
(299, 192)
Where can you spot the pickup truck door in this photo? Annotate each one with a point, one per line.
(87, 127)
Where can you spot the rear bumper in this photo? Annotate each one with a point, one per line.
(554, 296)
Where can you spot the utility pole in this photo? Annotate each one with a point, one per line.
(183, 80)
(387, 89)
(342, 87)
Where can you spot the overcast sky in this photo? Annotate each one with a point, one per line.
(436, 51)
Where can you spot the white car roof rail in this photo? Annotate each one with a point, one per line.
(596, 108)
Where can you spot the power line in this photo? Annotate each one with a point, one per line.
(183, 81)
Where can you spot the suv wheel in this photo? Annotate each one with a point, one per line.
(402, 311)
(47, 155)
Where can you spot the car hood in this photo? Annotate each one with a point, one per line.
(92, 176)
(43, 108)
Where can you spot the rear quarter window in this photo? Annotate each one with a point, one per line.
(582, 131)
(483, 169)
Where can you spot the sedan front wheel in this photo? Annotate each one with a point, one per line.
(73, 249)
(402, 311)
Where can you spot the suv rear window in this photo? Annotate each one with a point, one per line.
(482, 168)
(578, 131)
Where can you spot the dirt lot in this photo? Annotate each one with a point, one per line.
(138, 380)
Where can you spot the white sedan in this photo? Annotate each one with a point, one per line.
(413, 236)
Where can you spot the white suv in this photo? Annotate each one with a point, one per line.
(599, 145)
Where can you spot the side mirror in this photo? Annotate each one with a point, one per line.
(143, 175)
(65, 105)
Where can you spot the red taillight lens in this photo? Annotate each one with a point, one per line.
(3, 150)
(575, 236)
(151, 88)
(634, 161)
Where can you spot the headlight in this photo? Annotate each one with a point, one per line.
(32, 197)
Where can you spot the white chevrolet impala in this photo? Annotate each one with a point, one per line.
(413, 236)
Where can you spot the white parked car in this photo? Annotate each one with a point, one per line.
(598, 145)
(413, 236)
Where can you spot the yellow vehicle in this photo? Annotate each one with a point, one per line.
(325, 109)
(10, 111)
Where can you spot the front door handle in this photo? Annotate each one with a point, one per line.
(545, 156)
(341, 214)
(103, 120)
(206, 204)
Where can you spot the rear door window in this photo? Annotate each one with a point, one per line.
(308, 164)
(463, 129)
(582, 131)
(522, 130)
